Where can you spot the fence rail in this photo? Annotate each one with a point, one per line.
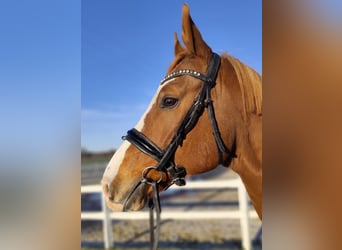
(243, 213)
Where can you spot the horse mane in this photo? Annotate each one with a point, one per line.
(250, 86)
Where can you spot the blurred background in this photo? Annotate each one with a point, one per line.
(126, 50)
(41, 114)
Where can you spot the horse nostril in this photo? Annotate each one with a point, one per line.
(109, 194)
(106, 190)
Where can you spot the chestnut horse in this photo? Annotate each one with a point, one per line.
(206, 112)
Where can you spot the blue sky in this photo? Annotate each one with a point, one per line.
(40, 76)
(128, 45)
(99, 63)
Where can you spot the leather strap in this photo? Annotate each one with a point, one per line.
(154, 203)
(143, 144)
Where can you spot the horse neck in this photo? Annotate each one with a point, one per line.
(249, 145)
(247, 131)
(248, 164)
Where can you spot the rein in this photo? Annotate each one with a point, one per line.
(165, 158)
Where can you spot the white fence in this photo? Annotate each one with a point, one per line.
(243, 213)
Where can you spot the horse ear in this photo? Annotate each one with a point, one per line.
(178, 47)
(191, 36)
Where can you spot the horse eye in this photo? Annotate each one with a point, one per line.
(169, 102)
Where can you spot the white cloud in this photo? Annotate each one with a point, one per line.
(125, 112)
(102, 114)
(101, 129)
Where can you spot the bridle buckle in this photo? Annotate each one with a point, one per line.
(177, 174)
(145, 179)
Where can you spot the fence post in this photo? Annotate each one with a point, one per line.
(244, 219)
(106, 224)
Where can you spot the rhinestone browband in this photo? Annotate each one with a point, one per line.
(182, 72)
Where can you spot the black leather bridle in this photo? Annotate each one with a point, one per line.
(165, 157)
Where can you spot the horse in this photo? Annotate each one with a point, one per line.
(207, 111)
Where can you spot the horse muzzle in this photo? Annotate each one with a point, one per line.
(134, 199)
(114, 206)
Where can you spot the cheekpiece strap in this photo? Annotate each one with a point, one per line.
(213, 69)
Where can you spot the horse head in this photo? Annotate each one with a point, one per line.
(175, 136)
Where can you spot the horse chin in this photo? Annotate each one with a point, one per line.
(134, 199)
(116, 207)
(137, 199)
(133, 204)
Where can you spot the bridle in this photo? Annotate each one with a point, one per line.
(165, 157)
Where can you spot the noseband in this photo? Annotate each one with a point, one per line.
(165, 157)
